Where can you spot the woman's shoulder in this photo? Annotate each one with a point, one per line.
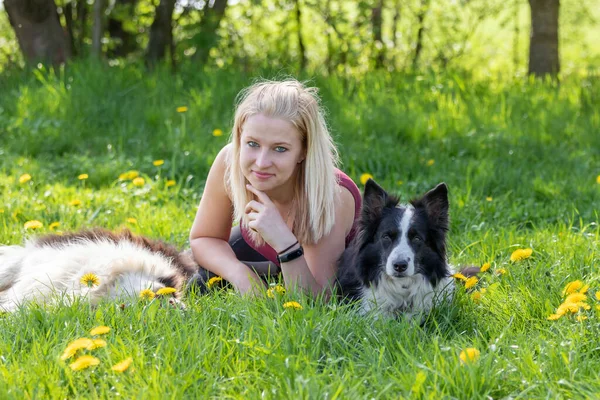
(224, 154)
(346, 182)
(219, 168)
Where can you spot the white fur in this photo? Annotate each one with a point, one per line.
(46, 273)
(403, 251)
(408, 296)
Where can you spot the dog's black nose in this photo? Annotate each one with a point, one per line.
(400, 266)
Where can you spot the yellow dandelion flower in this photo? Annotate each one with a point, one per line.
(158, 163)
(520, 254)
(84, 362)
(97, 343)
(75, 346)
(123, 365)
(501, 271)
(280, 290)
(165, 291)
(90, 280)
(567, 308)
(147, 294)
(554, 317)
(293, 304)
(217, 133)
(1, 210)
(83, 177)
(132, 220)
(430, 162)
(598, 295)
(365, 177)
(129, 175)
(470, 282)
(584, 289)
(572, 287)
(575, 298)
(213, 281)
(24, 178)
(75, 202)
(485, 267)
(476, 296)
(54, 225)
(139, 181)
(469, 355)
(170, 183)
(581, 318)
(182, 109)
(459, 276)
(399, 183)
(489, 198)
(34, 224)
(598, 179)
(100, 330)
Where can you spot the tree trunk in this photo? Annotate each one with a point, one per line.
(421, 18)
(68, 13)
(376, 22)
(124, 41)
(396, 20)
(161, 33)
(82, 27)
(38, 30)
(543, 47)
(98, 28)
(301, 48)
(207, 37)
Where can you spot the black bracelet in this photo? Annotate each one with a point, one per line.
(292, 255)
(283, 251)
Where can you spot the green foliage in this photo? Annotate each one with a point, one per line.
(485, 37)
(521, 159)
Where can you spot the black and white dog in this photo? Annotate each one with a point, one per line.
(50, 267)
(396, 264)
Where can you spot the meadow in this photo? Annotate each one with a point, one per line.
(522, 162)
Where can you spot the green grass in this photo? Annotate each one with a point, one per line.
(521, 159)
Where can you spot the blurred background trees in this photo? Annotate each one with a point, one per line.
(322, 36)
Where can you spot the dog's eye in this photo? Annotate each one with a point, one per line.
(417, 239)
(389, 236)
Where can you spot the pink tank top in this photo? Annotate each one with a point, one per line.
(344, 180)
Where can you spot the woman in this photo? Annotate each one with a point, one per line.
(278, 178)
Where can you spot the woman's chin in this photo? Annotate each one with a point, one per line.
(262, 185)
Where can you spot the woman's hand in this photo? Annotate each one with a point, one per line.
(264, 218)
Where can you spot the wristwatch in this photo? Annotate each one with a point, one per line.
(292, 255)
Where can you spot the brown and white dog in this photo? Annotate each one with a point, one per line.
(50, 267)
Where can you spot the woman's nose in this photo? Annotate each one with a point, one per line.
(263, 159)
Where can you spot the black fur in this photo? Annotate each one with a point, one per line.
(362, 264)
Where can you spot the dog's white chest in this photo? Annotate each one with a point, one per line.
(404, 296)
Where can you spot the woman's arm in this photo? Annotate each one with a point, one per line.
(209, 236)
(315, 271)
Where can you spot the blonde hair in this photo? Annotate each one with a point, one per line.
(315, 192)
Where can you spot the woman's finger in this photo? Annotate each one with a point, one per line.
(254, 205)
(261, 196)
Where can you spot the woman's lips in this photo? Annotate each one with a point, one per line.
(262, 175)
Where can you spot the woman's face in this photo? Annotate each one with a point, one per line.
(271, 150)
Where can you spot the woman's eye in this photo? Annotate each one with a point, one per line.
(252, 144)
(280, 149)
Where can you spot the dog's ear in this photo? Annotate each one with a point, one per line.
(436, 205)
(375, 200)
